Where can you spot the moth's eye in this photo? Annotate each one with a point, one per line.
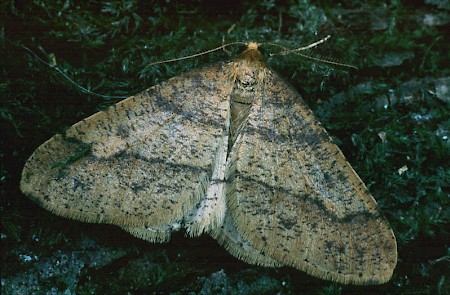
(243, 47)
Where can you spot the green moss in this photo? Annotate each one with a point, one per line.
(107, 47)
(75, 157)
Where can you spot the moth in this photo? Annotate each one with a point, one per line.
(230, 150)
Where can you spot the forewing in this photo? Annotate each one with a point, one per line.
(158, 233)
(145, 161)
(228, 236)
(295, 198)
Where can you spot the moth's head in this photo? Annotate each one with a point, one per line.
(251, 53)
(249, 67)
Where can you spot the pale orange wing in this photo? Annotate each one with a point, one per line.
(293, 196)
(145, 161)
(228, 236)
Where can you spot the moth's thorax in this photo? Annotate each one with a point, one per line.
(248, 72)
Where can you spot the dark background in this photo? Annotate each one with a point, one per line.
(390, 118)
